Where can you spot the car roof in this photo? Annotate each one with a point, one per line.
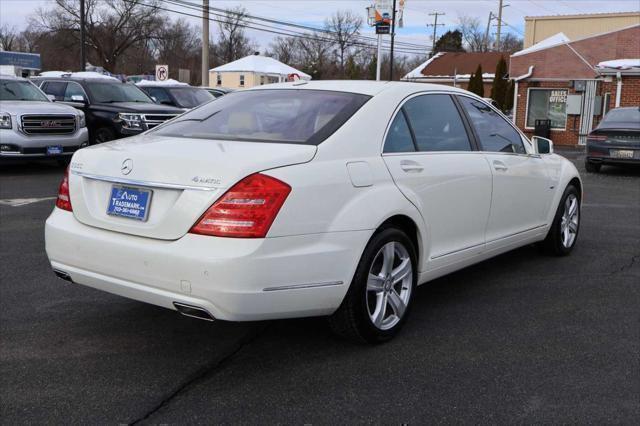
(85, 79)
(363, 87)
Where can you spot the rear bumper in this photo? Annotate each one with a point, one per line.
(232, 279)
(600, 153)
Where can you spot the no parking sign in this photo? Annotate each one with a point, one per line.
(162, 72)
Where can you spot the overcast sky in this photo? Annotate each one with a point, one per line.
(15, 13)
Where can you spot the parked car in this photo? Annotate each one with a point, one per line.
(218, 91)
(615, 141)
(315, 198)
(176, 94)
(113, 109)
(32, 126)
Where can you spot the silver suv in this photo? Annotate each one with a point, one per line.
(31, 125)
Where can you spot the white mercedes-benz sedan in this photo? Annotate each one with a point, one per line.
(303, 199)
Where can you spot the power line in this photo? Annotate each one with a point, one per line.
(226, 12)
(300, 36)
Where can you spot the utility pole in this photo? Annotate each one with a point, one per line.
(393, 36)
(83, 54)
(500, 7)
(205, 43)
(486, 34)
(435, 28)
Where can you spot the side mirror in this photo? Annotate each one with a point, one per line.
(51, 98)
(78, 98)
(154, 99)
(542, 145)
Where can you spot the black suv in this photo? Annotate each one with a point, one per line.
(112, 109)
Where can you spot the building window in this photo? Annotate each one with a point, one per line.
(547, 104)
(605, 103)
(218, 79)
(241, 80)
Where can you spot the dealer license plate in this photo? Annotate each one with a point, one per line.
(621, 153)
(54, 150)
(132, 203)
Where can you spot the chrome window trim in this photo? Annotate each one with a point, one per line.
(144, 183)
(303, 286)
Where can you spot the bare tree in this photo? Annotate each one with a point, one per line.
(474, 34)
(285, 50)
(232, 42)
(344, 26)
(315, 50)
(8, 38)
(112, 26)
(511, 43)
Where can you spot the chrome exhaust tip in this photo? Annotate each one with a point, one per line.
(62, 275)
(193, 311)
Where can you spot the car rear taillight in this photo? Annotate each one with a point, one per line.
(247, 210)
(597, 138)
(64, 201)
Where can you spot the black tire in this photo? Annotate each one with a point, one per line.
(554, 244)
(592, 167)
(352, 319)
(103, 134)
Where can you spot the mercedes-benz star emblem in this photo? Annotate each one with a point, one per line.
(127, 166)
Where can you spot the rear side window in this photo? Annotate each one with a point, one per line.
(436, 124)
(55, 88)
(73, 89)
(399, 138)
(494, 132)
(159, 95)
(284, 116)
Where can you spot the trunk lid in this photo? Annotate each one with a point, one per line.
(185, 177)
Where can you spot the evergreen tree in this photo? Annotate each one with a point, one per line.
(451, 41)
(476, 85)
(500, 88)
(372, 68)
(508, 100)
(352, 70)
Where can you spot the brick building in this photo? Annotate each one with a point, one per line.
(455, 69)
(574, 83)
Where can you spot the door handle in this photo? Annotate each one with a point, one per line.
(411, 166)
(499, 166)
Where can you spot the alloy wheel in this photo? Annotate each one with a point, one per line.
(570, 221)
(389, 285)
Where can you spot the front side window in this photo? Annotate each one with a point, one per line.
(495, 134)
(399, 138)
(117, 92)
(284, 116)
(436, 124)
(12, 90)
(547, 104)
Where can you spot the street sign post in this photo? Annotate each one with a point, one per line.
(162, 72)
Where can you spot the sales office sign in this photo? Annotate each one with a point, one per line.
(558, 97)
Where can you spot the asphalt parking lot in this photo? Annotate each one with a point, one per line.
(522, 338)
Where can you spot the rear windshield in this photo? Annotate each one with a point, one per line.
(622, 118)
(285, 116)
(190, 97)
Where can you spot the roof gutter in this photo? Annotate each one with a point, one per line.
(515, 91)
(527, 75)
